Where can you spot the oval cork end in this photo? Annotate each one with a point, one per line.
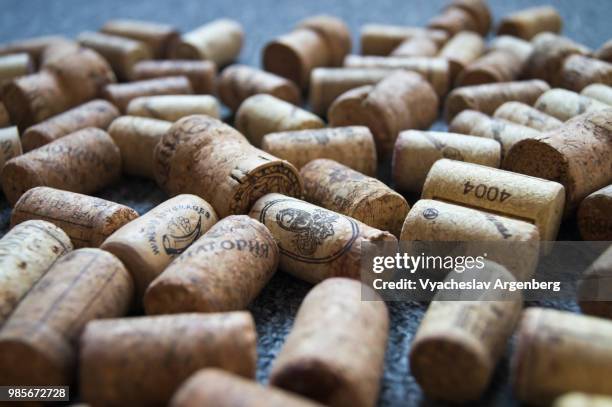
(185, 50)
(456, 102)
(284, 61)
(22, 364)
(34, 138)
(17, 179)
(17, 105)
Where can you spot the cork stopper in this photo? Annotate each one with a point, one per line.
(462, 49)
(595, 215)
(605, 51)
(598, 91)
(219, 41)
(201, 74)
(32, 46)
(564, 104)
(494, 66)
(479, 10)
(525, 115)
(382, 39)
(579, 71)
(10, 144)
(416, 47)
(520, 48)
(15, 65)
(173, 107)
(161, 39)
(334, 32)
(454, 20)
(121, 94)
(529, 22)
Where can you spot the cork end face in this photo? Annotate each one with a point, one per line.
(174, 297)
(511, 28)
(33, 138)
(456, 102)
(185, 50)
(17, 180)
(22, 364)
(284, 61)
(17, 105)
(386, 212)
(289, 93)
(595, 218)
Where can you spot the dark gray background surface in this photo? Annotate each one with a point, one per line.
(587, 21)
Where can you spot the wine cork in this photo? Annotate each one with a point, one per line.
(216, 387)
(173, 107)
(58, 50)
(479, 10)
(595, 215)
(26, 252)
(382, 39)
(10, 144)
(161, 39)
(32, 46)
(60, 85)
(238, 82)
(122, 94)
(219, 41)
(403, 100)
(598, 91)
(494, 66)
(85, 161)
(488, 97)
(416, 47)
(316, 41)
(149, 243)
(326, 84)
(549, 52)
(525, 115)
(5, 120)
(436, 221)
(577, 155)
(205, 157)
(594, 287)
(87, 220)
(136, 138)
(315, 243)
(557, 352)
(15, 65)
(97, 113)
(435, 70)
(576, 399)
(143, 360)
(352, 146)
(520, 48)
(564, 104)
(462, 49)
(453, 20)
(458, 343)
(321, 360)
(201, 74)
(579, 71)
(340, 189)
(529, 22)
(605, 51)
(501, 192)
(262, 114)
(416, 151)
(120, 52)
(224, 270)
(39, 340)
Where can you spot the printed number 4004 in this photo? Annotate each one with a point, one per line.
(482, 191)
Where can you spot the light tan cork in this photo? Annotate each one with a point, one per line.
(5, 120)
(341, 189)
(26, 252)
(435, 70)
(326, 84)
(315, 243)
(85, 161)
(401, 101)
(595, 215)
(15, 65)
(173, 107)
(525, 115)
(479, 9)
(437, 221)
(238, 82)
(219, 41)
(416, 151)
(97, 113)
(488, 97)
(605, 51)
(136, 138)
(161, 39)
(382, 39)
(529, 22)
(530, 199)
(564, 104)
(87, 220)
(321, 361)
(205, 157)
(320, 40)
(549, 52)
(352, 146)
(121, 53)
(494, 66)
(143, 360)
(39, 340)
(201, 74)
(224, 270)
(598, 91)
(576, 399)
(33, 46)
(216, 387)
(579, 71)
(462, 49)
(58, 50)
(595, 288)
(121, 94)
(520, 48)
(416, 47)
(459, 343)
(558, 351)
(453, 20)
(149, 243)
(10, 144)
(263, 114)
(577, 155)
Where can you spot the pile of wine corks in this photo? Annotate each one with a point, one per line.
(152, 308)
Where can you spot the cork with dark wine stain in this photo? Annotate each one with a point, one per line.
(462, 49)
(144, 360)
(577, 72)
(320, 360)
(595, 215)
(595, 286)
(161, 39)
(525, 115)
(201, 74)
(121, 94)
(38, 343)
